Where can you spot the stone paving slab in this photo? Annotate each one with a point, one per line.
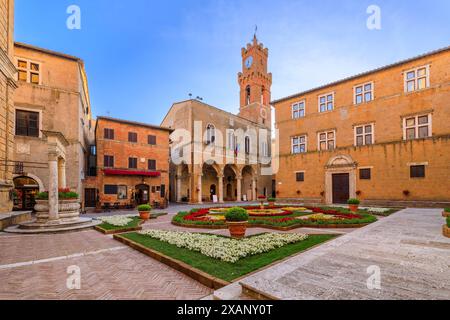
(409, 248)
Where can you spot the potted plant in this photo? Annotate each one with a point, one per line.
(237, 220)
(144, 211)
(272, 201)
(446, 213)
(446, 229)
(262, 199)
(353, 204)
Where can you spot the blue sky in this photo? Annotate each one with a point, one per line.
(143, 55)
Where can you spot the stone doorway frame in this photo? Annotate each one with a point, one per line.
(336, 165)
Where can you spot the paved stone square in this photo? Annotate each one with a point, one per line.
(408, 247)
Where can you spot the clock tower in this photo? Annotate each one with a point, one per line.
(255, 83)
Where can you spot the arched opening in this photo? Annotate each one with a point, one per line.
(25, 192)
(182, 184)
(209, 180)
(142, 194)
(247, 95)
(229, 192)
(231, 183)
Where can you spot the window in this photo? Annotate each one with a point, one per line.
(108, 161)
(109, 134)
(417, 79)
(327, 140)
(28, 71)
(418, 127)
(152, 165)
(364, 135)
(264, 149)
(364, 93)
(298, 110)
(110, 189)
(247, 95)
(326, 102)
(365, 174)
(231, 141)
(300, 176)
(132, 137)
(152, 140)
(417, 171)
(210, 134)
(132, 163)
(299, 144)
(122, 193)
(247, 145)
(27, 123)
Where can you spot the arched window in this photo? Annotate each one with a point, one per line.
(210, 134)
(247, 145)
(247, 95)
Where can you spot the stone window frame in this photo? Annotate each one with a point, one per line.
(131, 136)
(417, 126)
(106, 136)
(326, 95)
(363, 93)
(299, 144)
(134, 159)
(296, 108)
(361, 176)
(327, 140)
(151, 140)
(110, 158)
(28, 70)
(364, 134)
(148, 164)
(303, 175)
(20, 108)
(415, 79)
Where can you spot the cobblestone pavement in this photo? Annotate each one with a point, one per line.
(408, 247)
(35, 267)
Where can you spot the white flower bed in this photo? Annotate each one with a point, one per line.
(377, 210)
(118, 221)
(225, 249)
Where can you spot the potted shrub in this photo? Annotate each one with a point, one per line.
(237, 220)
(272, 201)
(446, 229)
(144, 211)
(446, 213)
(353, 204)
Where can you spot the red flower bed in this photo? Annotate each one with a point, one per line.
(198, 216)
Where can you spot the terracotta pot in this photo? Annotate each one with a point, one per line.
(272, 204)
(445, 214)
(353, 207)
(237, 229)
(144, 215)
(446, 231)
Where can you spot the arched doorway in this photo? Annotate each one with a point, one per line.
(231, 183)
(26, 190)
(247, 183)
(340, 179)
(142, 194)
(209, 181)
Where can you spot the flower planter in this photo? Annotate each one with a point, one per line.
(271, 204)
(445, 214)
(446, 231)
(237, 229)
(353, 207)
(68, 210)
(144, 215)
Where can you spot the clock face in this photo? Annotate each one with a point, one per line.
(249, 62)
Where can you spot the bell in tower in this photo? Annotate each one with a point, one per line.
(255, 84)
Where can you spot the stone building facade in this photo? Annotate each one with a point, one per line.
(51, 104)
(382, 136)
(131, 164)
(218, 156)
(7, 87)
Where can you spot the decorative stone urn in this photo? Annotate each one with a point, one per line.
(69, 211)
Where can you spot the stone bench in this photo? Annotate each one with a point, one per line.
(13, 218)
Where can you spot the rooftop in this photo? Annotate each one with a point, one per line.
(47, 51)
(134, 123)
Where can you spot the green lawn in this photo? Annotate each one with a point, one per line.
(223, 270)
(133, 224)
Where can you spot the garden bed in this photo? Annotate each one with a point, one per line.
(134, 225)
(212, 272)
(289, 219)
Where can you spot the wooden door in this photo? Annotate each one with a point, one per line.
(341, 188)
(90, 198)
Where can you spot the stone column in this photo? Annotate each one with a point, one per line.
(53, 197)
(254, 196)
(62, 173)
(220, 177)
(199, 187)
(178, 191)
(239, 188)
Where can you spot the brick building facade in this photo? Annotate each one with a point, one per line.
(381, 136)
(130, 165)
(7, 87)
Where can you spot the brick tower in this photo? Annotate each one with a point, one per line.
(255, 83)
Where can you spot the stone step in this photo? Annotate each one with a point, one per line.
(14, 218)
(34, 228)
